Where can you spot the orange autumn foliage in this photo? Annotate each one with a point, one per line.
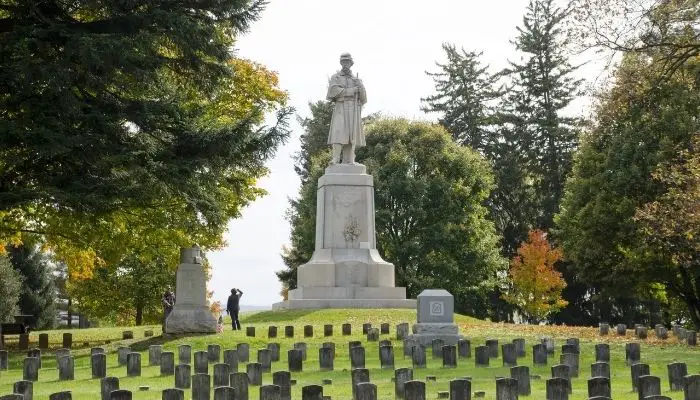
(536, 286)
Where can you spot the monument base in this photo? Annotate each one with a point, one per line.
(190, 319)
(309, 304)
(191, 313)
(426, 332)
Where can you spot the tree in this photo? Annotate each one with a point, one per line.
(465, 93)
(430, 220)
(38, 297)
(669, 226)
(10, 290)
(536, 286)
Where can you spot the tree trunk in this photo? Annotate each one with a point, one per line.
(139, 315)
(70, 313)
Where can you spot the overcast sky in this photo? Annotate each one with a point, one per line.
(393, 43)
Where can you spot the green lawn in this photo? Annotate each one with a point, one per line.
(654, 352)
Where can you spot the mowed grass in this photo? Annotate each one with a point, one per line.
(654, 352)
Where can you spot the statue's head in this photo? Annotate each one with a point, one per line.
(346, 60)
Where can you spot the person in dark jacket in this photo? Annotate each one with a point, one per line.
(233, 306)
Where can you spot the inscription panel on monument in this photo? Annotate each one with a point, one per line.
(435, 306)
(346, 219)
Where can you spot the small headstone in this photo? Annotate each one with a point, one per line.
(569, 348)
(43, 341)
(213, 353)
(548, 343)
(492, 345)
(201, 362)
(557, 389)
(133, 364)
(173, 394)
(506, 389)
(36, 353)
(437, 347)
(154, 352)
(366, 327)
(301, 346)
(243, 350)
(221, 375)
(414, 390)
(649, 386)
(30, 370)
(283, 379)
(539, 354)
(358, 376)
(183, 376)
(144, 388)
(373, 335)
(330, 345)
(126, 335)
(691, 338)
(122, 352)
(621, 329)
(120, 394)
(250, 331)
(295, 360)
(662, 332)
(3, 360)
(479, 394)
(562, 371)
(600, 370)
(354, 343)
(460, 389)
(641, 332)
(347, 329)
(308, 331)
(604, 329)
(231, 358)
(522, 375)
(599, 386)
(691, 387)
(443, 394)
(632, 353)
(519, 347)
(384, 328)
(97, 350)
(418, 357)
(676, 372)
(255, 372)
(67, 340)
(98, 364)
(602, 352)
(401, 376)
(572, 360)
(24, 388)
(357, 357)
(240, 382)
(464, 348)
(325, 358)
(265, 359)
(167, 363)
(638, 370)
(270, 392)
(386, 357)
(23, 341)
(327, 330)
(274, 351)
(61, 396)
(107, 386)
(224, 393)
(184, 354)
(271, 332)
(365, 391)
(289, 331)
(481, 356)
(402, 331)
(201, 387)
(574, 342)
(148, 333)
(449, 356)
(385, 342)
(510, 355)
(312, 392)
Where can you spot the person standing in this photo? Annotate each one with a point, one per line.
(233, 306)
(168, 301)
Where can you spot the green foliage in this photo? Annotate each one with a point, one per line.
(430, 220)
(10, 290)
(38, 297)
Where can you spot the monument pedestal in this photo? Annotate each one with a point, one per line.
(346, 271)
(191, 313)
(435, 318)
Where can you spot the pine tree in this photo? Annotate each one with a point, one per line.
(10, 289)
(38, 296)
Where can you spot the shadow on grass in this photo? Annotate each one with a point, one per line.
(274, 316)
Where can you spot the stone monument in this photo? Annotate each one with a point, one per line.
(346, 270)
(191, 313)
(435, 311)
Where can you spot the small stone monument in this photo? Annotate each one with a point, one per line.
(190, 314)
(435, 309)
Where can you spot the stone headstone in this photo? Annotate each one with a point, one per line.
(224, 393)
(436, 346)
(386, 357)
(492, 345)
(574, 342)
(572, 360)
(325, 358)
(373, 335)
(133, 364)
(250, 331)
(358, 376)
(401, 376)
(562, 371)
(691, 387)
(312, 392)
(557, 389)
(691, 338)
(408, 344)
(602, 352)
(449, 356)
(295, 360)
(414, 390)
(327, 330)
(621, 329)
(638, 370)
(24, 388)
(633, 353)
(154, 352)
(649, 386)
(274, 351)
(548, 343)
(3, 360)
(213, 353)
(570, 348)
(384, 328)
(270, 392)
(539, 354)
(30, 370)
(61, 396)
(167, 363)
(481, 356)
(283, 379)
(107, 386)
(301, 346)
(366, 327)
(599, 386)
(67, 340)
(201, 387)
(122, 353)
(365, 391)
(271, 332)
(126, 335)
(240, 382)
(97, 350)
(221, 375)
(289, 331)
(600, 370)
(201, 362)
(36, 353)
(662, 332)
(255, 372)
(120, 394)
(243, 350)
(676, 372)
(402, 331)
(418, 357)
(184, 354)
(183, 376)
(464, 348)
(510, 355)
(98, 365)
(519, 347)
(13, 396)
(522, 375)
(43, 341)
(506, 389)
(604, 329)
(308, 331)
(641, 332)
(460, 389)
(173, 394)
(347, 329)
(231, 358)
(357, 357)
(265, 359)
(385, 342)
(23, 341)
(329, 345)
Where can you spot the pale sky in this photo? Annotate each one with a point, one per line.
(393, 43)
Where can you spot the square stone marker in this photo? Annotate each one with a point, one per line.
(436, 306)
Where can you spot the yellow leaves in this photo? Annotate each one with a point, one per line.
(81, 262)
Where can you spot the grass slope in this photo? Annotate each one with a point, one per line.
(654, 352)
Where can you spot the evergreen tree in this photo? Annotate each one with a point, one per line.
(10, 290)
(38, 297)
